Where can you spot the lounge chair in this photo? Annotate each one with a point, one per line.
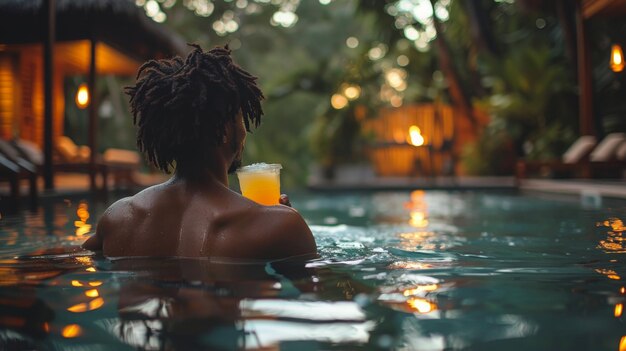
(122, 164)
(72, 158)
(584, 159)
(13, 168)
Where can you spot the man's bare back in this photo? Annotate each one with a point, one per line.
(193, 115)
(195, 220)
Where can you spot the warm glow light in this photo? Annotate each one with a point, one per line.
(338, 101)
(395, 101)
(415, 136)
(81, 225)
(618, 310)
(395, 77)
(71, 331)
(92, 305)
(420, 289)
(352, 92)
(95, 283)
(92, 293)
(96, 303)
(617, 58)
(90, 269)
(418, 219)
(410, 265)
(80, 231)
(417, 196)
(81, 307)
(82, 96)
(622, 344)
(46, 327)
(421, 305)
(622, 290)
(83, 211)
(76, 283)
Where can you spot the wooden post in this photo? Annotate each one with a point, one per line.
(49, 11)
(585, 83)
(93, 117)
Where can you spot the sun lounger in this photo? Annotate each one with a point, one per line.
(584, 159)
(15, 168)
(121, 164)
(72, 158)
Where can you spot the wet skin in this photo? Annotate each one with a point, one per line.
(195, 214)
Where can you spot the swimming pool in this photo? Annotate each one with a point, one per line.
(403, 270)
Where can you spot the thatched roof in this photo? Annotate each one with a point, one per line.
(119, 23)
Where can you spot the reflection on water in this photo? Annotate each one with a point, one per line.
(82, 227)
(418, 209)
(614, 242)
(71, 331)
(404, 271)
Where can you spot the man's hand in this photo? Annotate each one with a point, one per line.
(284, 200)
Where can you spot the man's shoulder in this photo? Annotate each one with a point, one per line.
(280, 232)
(119, 210)
(131, 205)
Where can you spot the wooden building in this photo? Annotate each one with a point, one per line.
(90, 37)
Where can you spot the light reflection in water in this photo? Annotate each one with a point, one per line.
(418, 219)
(71, 331)
(614, 242)
(82, 227)
(78, 308)
(618, 310)
(609, 273)
(347, 321)
(622, 344)
(421, 305)
(420, 289)
(411, 241)
(410, 265)
(418, 209)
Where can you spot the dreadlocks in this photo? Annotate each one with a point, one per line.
(181, 107)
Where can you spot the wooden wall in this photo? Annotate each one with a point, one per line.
(444, 137)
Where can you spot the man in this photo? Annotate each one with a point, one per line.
(192, 116)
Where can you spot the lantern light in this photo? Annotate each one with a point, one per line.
(82, 96)
(617, 58)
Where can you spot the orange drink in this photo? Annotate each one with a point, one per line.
(260, 182)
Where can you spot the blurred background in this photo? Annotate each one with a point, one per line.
(408, 88)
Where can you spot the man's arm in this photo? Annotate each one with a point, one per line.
(94, 243)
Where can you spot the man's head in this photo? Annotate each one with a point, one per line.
(185, 109)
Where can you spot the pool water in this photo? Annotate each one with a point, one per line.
(399, 271)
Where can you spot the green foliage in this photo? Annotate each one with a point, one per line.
(491, 154)
(333, 137)
(531, 89)
(550, 143)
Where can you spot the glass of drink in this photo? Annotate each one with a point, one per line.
(260, 182)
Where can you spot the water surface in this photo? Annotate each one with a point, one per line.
(403, 271)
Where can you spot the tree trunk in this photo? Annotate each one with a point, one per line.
(480, 27)
(459, 97)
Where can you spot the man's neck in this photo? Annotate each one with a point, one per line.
(202, 175)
